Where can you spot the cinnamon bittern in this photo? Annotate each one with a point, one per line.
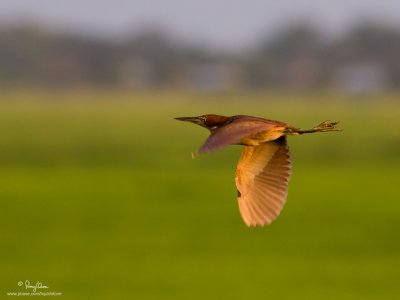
(264, 168)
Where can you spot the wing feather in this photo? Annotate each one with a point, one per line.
(262, 178)
(234, 132)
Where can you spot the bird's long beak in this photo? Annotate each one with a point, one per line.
(195, 120)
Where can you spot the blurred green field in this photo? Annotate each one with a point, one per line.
(100, 199)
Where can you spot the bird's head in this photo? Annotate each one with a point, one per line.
(211, 122)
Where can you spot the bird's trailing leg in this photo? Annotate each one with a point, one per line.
(323, 127)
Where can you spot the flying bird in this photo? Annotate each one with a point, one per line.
(264, 167)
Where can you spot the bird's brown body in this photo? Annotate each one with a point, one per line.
(264, 168)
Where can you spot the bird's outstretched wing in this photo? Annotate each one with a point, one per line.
(234, 132)
(262, 177)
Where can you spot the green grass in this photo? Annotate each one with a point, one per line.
(100, 199)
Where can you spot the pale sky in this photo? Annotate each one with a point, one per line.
(219, 23)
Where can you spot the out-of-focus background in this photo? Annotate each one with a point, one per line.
(99, 196)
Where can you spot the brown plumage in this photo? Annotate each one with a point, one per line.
(264, 168)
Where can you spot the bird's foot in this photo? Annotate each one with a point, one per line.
(323, 127)
(327, 126)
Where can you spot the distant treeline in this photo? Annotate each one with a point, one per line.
(366, 58)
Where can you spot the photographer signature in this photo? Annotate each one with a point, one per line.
(28, 285)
